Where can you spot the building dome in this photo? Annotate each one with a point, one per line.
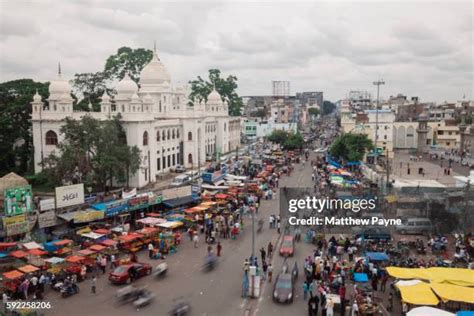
(155, 72)
(214, 97)
(37, 97)
(147, 99)
(127, 86)
(135, 98)
(105, 98)
(59, 86)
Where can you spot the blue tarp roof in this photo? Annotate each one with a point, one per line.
(3, 255)
(465, 313)
(361, 277)
(377, 256)
(179, 201)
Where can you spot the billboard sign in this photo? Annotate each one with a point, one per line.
(48, 204)
(129, 194)
(16, 225)
(47, 219)
(115, 208)
(70, 195)
(18, 200)
(138, 202)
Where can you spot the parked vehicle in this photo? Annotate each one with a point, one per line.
(373, 233)
(181, 180)
(415, 226)
(179, 169)
(283, 289)
(287, 247)
(161, 269)
(129, 272)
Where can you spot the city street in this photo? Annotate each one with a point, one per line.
(210, 293)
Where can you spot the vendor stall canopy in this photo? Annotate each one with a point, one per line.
(457, 276)
(426, 310)
(377, 256)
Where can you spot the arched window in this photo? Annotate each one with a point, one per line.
(123, 108)
(163, 135)
(190, 158)
(51, 138)
(145, 138)
(190, 136)
(158, 134)
(225, 126)
(113, 107)
(177, 133)
(173, 135)
(168, 136)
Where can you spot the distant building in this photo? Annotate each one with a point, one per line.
(310, 99)
(261, 128)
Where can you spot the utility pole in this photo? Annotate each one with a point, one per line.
(377, 83)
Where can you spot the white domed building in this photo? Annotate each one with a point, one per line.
(156, 118)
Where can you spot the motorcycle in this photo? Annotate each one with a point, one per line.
(180, 309)
(210, 263)
(294, 272)
(69, 290)
(145, 298)
(161, 269)
(128, 294)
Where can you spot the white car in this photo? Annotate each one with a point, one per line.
(181, 180)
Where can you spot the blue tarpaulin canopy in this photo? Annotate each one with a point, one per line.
(3, 255)
(465, 313)
(377, 256)
(361, 277)
(179, 201)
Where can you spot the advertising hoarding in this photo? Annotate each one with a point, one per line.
(48, 204)
(16, 225)
(47, 219)
(18, 200)
(70, 195)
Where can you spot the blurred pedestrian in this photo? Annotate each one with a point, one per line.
(219, 249)
(93, 285)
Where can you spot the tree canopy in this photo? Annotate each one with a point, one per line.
(16, 143)
(94, 152)
(313, 111)
(201, 88)
(127, 60)
(328, 107)
(351, 147)
(288, 140)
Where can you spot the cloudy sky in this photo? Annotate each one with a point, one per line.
(423, 48)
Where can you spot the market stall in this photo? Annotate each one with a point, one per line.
(12, 280)
(131, 242)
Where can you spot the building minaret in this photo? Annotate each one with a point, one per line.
(422, 132)
(462, 132)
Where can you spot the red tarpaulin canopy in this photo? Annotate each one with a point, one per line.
(18, 254)
(102, 231)
(148, 230)
(37, 252)
(85, 252)
(97, 247)
(63, 242)
(12, 275)
(108, 242)
(153, 215)
(221, 196)
(74, 259)
(28, 269)
(130, 237)
(5, 245)
(192, 210)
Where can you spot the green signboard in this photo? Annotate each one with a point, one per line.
(18, 200)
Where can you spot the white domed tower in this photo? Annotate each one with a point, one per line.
(105, 105)
(60, 99)
(126, 88)
(214, 103)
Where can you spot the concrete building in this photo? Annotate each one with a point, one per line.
(444, 134)
(262, 128)
(156, 118)
(311, 99)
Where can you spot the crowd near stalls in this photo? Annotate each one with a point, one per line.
(63, 240)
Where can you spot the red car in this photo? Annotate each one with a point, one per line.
(123, 274)
(287, 247)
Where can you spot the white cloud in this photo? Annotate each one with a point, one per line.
(420, 48)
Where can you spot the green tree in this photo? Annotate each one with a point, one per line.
(313, 111)
(201, 88)
(351, 147)
(16, 143)
(91, 87)
(293, 141)
(127, 60)
(328, 107)
(94, 152)
(278, 136)
(261, 113)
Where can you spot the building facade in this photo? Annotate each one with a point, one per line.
(156, 117)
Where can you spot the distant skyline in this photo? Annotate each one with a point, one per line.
(420, 48)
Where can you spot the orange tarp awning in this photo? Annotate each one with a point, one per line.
(13, 274)
(74, 259)
(28, 269)
(153, 215)
(97, 247)
(37, 252)
(221, 196)
(108, 242)
(130, 237)
(148, 230)
(63, 242)
(85, 252)
(18, 254)
(102, 231)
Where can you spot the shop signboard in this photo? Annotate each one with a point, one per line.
(47, 204)
(212, 177)
(176, 192)
(196, 191)
(16, 225)
(129, 194)
(88, 216)
(47, 219)
(155, 199)
(90, 199)
(70, 195)
(18, 200)
(138, 202)
(115, 208)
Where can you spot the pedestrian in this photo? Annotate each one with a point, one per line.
(103, 263)
(330, 307)
(150, 250)
(305, 289)
(93, 284)
(219, 249)
(313, 305)
(270, 221)
(5, 299)
(383, 282)
(390, 302)
(269, 250)
(264, 270)
(404, 308)
(270, 272)
(355, 309)
(278, 227)
(112, 261)
(196, 240)
(263, 254)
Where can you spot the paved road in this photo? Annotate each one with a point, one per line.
(215, 293)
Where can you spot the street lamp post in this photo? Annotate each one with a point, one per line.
(377, 83)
